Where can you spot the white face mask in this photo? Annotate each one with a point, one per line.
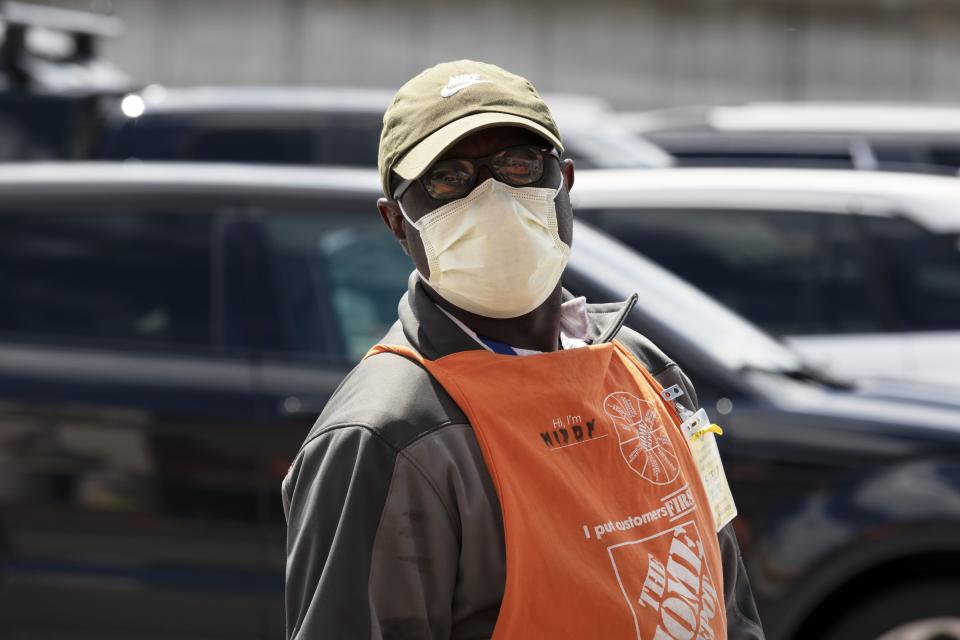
(495, 252)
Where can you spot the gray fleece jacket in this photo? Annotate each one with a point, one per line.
(394, 529)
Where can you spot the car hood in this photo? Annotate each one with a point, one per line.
(943, 396)
(922, 410)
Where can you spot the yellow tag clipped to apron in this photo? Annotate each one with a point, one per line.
(701, 434)
(608, 529)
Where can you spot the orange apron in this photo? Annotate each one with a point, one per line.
(607, 527)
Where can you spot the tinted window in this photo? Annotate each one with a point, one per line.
(922, 270)
(946, 155)
(702, 148)
(351, 144)
(917, 156)
(346, 141)
(38, 127)
(340, 279)
(790, 272)
(763, 159)
(139, 278)
(267, 146)
(680, 317)
(185, 139)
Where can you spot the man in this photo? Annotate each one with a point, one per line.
(464, 481)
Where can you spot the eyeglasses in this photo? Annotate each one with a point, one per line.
(454, 178)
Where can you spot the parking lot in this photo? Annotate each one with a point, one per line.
(189, 269)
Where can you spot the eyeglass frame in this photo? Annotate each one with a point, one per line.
(483, 161)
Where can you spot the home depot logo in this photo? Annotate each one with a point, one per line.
(675, 597)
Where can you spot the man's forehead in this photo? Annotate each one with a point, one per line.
(487, 141)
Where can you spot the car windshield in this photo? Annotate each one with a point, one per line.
(593, 144)
(697, 318)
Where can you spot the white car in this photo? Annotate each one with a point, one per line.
(860, 271)
(915, 137)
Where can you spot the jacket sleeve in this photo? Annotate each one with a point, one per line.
(366, 558)
(743, 620)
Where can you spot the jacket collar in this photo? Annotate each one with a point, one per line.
(434, 335)
(426, 328)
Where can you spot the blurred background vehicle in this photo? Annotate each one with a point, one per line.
(318, 126)
(917, 137)
(170, 332)
(859, 271)
(53, 82)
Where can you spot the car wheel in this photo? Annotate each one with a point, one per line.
(928, 611)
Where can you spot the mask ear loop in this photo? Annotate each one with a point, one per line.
(559, 187)
(413, 224)
(406, 217)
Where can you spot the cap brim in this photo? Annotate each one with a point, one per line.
(420, 157)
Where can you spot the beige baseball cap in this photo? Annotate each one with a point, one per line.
(445, 103)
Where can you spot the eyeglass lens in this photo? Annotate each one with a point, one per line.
(453, 178)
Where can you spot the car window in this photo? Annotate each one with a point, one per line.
(266, 146)
(789, 272)
(43, 127)
(736, 158)
(334, 140)
(131, 278)
(946, 155)
(352, 143)
(146, 139)
(847, 300)
(340, 279)
(685, 314)
(922, 270)
(754, 150)
(186, 139)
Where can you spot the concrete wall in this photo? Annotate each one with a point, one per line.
(636, 54)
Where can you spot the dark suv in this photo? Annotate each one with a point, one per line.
(170, 332)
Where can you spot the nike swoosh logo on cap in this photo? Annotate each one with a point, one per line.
(456, 83)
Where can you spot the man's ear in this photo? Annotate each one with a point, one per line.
(566, 168)
(392, 217)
